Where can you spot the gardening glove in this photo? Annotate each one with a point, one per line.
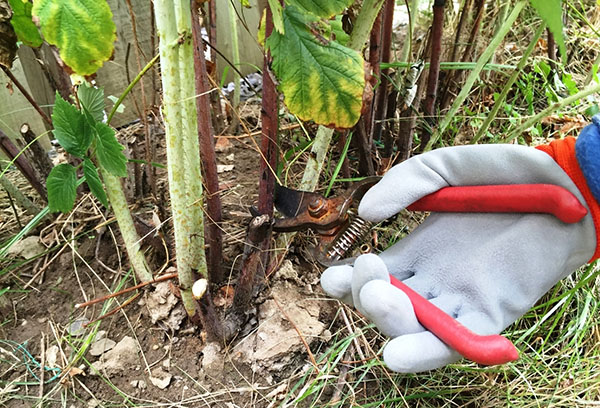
(485, 270)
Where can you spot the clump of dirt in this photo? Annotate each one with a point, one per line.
(288, 321)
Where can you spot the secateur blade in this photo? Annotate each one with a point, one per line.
(327, 216)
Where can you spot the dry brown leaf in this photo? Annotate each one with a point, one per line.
(224, 296)
(223, 144)
(73, 371)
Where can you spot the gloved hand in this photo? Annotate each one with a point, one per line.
(485, 270)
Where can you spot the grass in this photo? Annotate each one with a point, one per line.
(558, 339)
(559, 343)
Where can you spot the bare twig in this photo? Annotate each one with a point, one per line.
(464, 13)
(455, 78)
(434, 68)
(213, 235)
(21, 199)
(113, 311)
(382, 90)
(339, 385)
(127, 290)
(270, 123)
(139, 53)
(375, 63)
(251, 272)
(42, 162)
(14, 154)
(551, 50)
(15, 212)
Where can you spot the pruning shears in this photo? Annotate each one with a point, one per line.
(330, 218)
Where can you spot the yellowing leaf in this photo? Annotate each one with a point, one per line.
(82, 30)
(321, 80)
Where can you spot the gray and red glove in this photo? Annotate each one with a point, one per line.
(485, 270)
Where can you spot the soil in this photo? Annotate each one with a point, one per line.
(132, 357)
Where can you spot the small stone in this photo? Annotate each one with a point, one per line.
(166, 363)
(27, 247)
(160, 378)
(93, 403)
(287, 271)
(123, 356)
(76, 327)
(51, 356)
(102, 346)
(222, 168)
(142, 385)
(213, 361)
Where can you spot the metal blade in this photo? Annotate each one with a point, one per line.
(291, 202)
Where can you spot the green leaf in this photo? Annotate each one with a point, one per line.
(277, 14)
(338, 31)
(109, 151)
(569, 82)
(82, 30)
(26, 30)
(551, 13)
(71, 127)
(321, 8)
(121, 107)
(321, 80)
(92, 100)
(93, 181)
(62, 188)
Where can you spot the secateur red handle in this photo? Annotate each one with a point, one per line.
(505, 198)
(487, 350)
(518, 198)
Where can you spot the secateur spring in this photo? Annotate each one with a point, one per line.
(348, 239)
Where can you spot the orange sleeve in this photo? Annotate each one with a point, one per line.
(563, 152)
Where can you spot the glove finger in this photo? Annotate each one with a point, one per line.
(389, 308)
(367, 267)
(392, 311)
(412, 353)
(336, 281)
